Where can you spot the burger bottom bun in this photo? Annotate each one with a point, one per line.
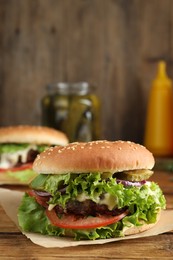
(144, 227)
(132, 230)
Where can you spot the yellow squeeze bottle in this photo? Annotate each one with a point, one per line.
(159, 122)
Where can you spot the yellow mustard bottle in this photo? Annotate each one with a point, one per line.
(159, 120)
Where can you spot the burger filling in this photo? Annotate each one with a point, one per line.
(89, 206)
(16, 158)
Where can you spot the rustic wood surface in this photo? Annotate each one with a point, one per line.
(112, 44)
(14, 245)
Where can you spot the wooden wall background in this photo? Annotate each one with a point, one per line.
(114, 44)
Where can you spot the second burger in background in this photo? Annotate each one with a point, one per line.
(19, 146)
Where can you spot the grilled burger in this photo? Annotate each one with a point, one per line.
(92, 191)
(19, 146)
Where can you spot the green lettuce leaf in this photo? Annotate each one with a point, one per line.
(32, 217)
(143, 203)
(12, 147)
(23, 176)
(41, 148)
(93, 187)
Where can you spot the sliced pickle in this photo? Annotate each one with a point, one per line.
(106, 175)
(135, 175)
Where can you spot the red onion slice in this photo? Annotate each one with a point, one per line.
(42, 193)
(131, 183)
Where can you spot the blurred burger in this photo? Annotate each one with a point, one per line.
(92, 190)
(19, 146)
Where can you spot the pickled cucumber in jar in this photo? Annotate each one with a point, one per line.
(73, 109)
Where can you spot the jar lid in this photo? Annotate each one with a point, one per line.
(66, 88)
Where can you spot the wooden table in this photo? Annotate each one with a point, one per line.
(14, 245)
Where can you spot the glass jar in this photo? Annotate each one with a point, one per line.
(74, 109)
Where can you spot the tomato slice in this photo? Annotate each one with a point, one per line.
(40, 200)
(20, 168)
(72, 222)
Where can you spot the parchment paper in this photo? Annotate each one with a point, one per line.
(10, 201)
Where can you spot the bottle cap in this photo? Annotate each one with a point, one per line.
(162, 78)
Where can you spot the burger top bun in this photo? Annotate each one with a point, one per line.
(32, 134)
(96, 156)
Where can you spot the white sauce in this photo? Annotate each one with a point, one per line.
(51, 206)
(8, 160)
(108, 200)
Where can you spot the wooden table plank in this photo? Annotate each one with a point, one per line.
(149, 248)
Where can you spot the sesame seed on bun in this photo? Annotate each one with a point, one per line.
(95, 156)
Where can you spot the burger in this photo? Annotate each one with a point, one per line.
(19, 146)
(93, 190)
